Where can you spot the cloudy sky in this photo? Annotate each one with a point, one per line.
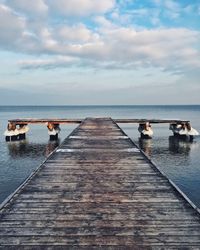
(99, 52)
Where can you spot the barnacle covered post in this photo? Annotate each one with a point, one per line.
(146, 131)
(11, 133)
(183, 130)
(23, 129)
(53, 130)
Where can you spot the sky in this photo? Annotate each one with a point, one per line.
(99, 52)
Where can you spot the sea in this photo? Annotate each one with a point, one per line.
(179, 160)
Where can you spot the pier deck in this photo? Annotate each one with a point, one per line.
(98, 191)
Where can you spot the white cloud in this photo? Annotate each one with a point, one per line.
(154, 46)
(80, 7)
(47, 42)
(35, 7)
(104, 45)
(100, 45)
(127, 48)
(75, 34)
(50, 63)
(103, 22)
(14, 33)
(172, 5)
(11, 26)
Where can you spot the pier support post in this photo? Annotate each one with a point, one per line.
(53, 131)
(145, 130)
(11, 133)
(23, 129)
(183, 131)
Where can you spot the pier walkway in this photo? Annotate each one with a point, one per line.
(98, 191)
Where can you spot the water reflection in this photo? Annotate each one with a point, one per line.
(174, 146)
(33, 150)
(178, 146)
(146, 146)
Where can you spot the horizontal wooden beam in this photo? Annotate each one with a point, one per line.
(150, 121)
(77, 121)
(34, 121)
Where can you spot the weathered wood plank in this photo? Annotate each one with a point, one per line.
(32, 120)
(92, 231)
(150, 121)
(39, 120)
(97, 190)
(76, 240)
(177, 223)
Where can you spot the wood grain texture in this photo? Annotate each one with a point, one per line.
(64, 120)
(98, 191)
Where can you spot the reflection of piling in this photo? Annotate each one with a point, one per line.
(23, 148)
(179, 146)
(146, 146)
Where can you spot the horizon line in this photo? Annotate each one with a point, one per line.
(93, 105)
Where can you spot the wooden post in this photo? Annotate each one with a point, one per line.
(11, 134)
(53, 131)
(183, 131)
(191, 131)
(22, 131)
(145, 130)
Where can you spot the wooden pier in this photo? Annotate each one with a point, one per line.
(97, 190)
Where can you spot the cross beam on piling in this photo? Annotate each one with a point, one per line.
(145, 127)
(77, 121)
(98, 190)
(36, 120)
(180, 128)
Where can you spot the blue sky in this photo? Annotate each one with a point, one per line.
(70, 52)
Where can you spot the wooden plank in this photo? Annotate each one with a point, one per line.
(153, 121)
(105, 240)
(98, 190)
(36, 121)
(78, 121)
(89, 231)
(176, 223)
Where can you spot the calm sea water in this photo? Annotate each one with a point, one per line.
(179, 160)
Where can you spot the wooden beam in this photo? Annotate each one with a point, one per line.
(51, 120)
(150, 121)
(78, 121)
